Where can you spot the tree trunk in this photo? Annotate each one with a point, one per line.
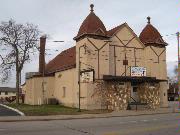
(17, 87)
(17, 78)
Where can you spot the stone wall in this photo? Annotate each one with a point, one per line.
(149, 93)
(115, 95)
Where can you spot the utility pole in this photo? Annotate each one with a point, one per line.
(178, 77)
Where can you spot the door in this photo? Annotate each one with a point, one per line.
(134, 92)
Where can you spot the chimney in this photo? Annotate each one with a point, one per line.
(42, 55)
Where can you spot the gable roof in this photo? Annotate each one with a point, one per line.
(65, 60)
(117, 29)
(112, 31)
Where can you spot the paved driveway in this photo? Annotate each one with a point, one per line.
(7, 112)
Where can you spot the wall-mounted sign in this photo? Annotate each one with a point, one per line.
(138, 71)
(125, 62)
(87, 76)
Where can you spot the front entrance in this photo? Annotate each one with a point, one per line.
(134, 92)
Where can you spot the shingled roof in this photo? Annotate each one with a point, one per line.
(92, 25)
(65, 60)
(150, 35)
(112, 31)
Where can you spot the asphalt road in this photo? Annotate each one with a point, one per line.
(164, 124)
(7, 112)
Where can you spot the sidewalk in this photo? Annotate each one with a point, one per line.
(124, 113)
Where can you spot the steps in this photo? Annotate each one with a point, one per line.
(137, 106)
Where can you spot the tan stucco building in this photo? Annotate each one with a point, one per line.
(133, 67)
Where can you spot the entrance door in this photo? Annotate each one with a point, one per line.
(134, 93)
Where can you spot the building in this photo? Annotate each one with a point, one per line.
(173, 91)
(7, 92)
(132, 67)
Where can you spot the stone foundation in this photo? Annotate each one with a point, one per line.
(150, 94)
(115, 95)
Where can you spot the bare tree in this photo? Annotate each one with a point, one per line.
(17, 43)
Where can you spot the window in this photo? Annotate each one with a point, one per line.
(64, 91)
(6, 93)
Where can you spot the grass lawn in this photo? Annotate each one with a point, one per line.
(30, 110)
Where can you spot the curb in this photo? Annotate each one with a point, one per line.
(13, 109)
(34, 118)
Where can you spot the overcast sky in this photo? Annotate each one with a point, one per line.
(61, 19)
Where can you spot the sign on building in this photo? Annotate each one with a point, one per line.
(87, 76)
(138, 71)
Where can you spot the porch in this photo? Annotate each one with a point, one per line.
(131, 92)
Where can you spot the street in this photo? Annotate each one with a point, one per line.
(7, 112)
(161, 124)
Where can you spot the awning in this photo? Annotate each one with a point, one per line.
(131, 79)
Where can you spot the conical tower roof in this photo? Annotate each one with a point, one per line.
(92, 25)
(150, 35)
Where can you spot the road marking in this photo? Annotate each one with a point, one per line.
(78, 130)
(155, 119)
(144, 120)
(1, 129)
(133, 121)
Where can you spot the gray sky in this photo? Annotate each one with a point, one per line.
(61, 19)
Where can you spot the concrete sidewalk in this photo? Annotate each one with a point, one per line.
(124, 113)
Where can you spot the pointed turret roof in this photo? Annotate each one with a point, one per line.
(150, 35)
(92, 25)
